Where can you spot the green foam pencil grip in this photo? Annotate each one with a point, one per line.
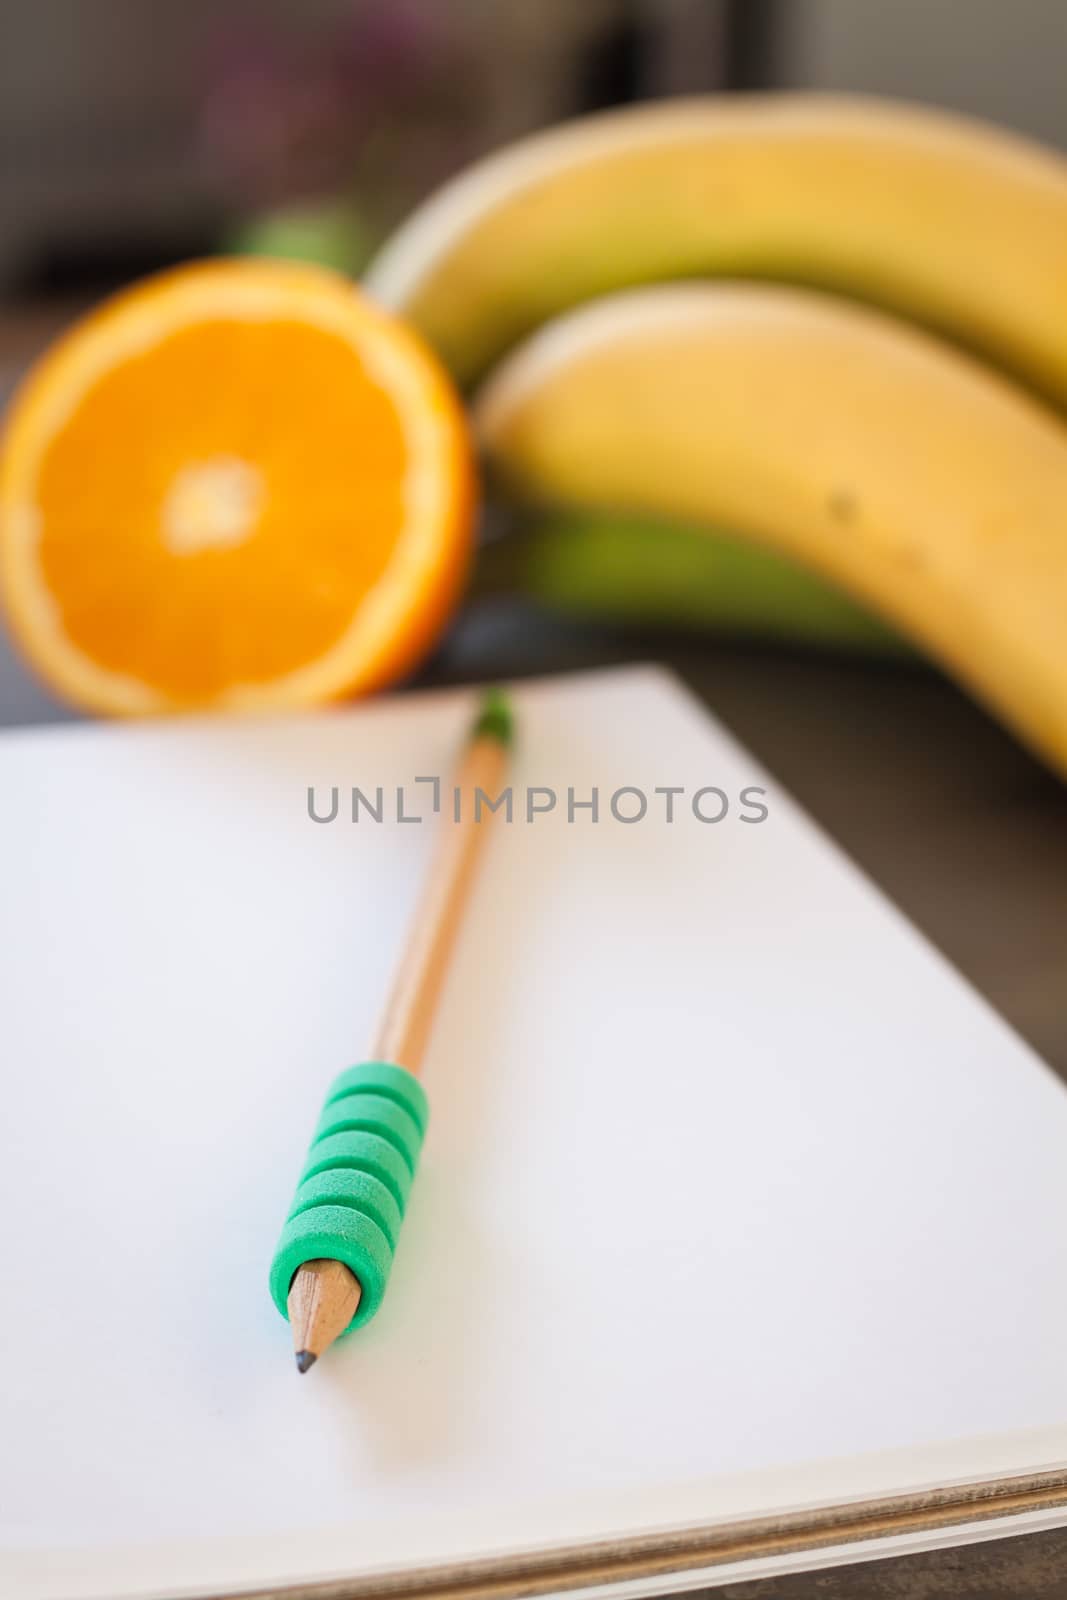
(354, 1188)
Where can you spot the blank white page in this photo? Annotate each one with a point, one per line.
(735, 1197)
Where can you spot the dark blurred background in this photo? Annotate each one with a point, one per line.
(134, 132)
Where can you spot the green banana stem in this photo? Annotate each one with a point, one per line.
(611, 566)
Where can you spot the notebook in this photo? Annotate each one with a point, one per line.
(739, 1240)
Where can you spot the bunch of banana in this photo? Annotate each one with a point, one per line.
(814, 448)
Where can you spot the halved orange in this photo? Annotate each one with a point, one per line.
(239, 485)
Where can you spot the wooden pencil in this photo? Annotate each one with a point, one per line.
(324, 1295)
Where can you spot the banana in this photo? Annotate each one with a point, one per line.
(643, 571)
(949, 222)
(928, 488)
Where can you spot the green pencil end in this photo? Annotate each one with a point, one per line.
(495, 719)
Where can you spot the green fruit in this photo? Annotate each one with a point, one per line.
(607, 566)
(330, 234)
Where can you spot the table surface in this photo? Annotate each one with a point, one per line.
(958, 824)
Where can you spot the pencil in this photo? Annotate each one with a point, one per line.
(324, 1295)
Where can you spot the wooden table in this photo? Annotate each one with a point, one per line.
(962, 828)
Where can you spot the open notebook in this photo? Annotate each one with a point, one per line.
(741, 1228)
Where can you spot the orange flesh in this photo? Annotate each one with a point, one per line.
(294, 406)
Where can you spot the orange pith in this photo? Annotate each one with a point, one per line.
(238, 485)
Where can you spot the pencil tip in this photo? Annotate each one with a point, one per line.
(304, 1360)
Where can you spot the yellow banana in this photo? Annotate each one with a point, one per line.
(951, 222)
(933, 491)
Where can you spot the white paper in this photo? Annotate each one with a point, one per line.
(735, 1196)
